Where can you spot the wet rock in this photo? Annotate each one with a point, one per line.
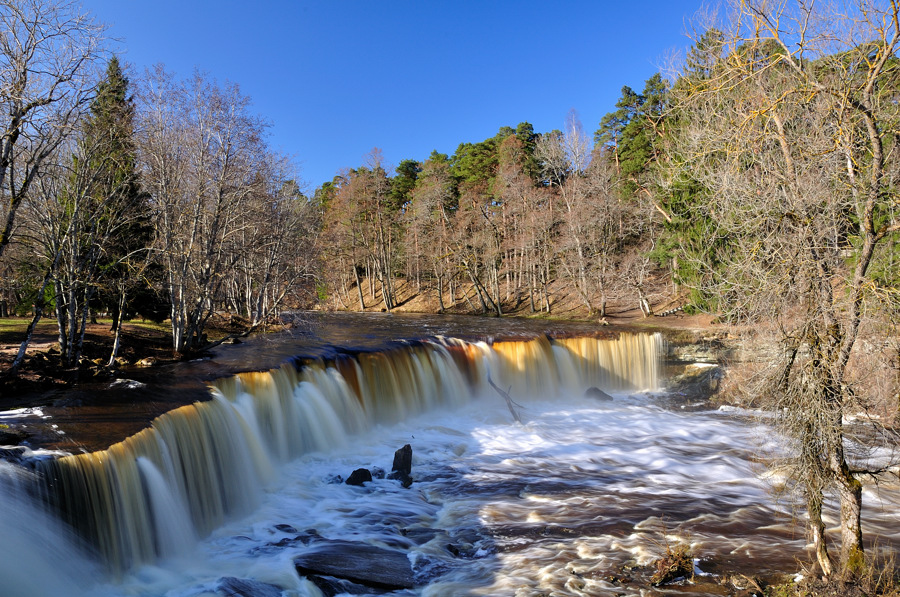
(405, 480)
(10, 436)
(419, 536)
(403, 460)
(13, 455)
(230, 586)
(597, 394)
(466, 545)
(334, 479)
(331, 586)
(359, 563)
(378, 473)
(304, 538)
(359, 476)
(402, 466)
(285, 528)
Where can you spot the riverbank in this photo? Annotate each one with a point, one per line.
(42, 376)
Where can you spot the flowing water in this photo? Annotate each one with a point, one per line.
(564, 503)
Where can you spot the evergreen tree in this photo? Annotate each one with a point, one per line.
(403, 182)
(109, 131)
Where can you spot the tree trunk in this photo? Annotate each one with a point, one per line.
(440, 292)
(359, 290)
(852, 551)
(117, 340)
(817, 530)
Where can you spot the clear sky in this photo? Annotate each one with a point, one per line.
(336, 78)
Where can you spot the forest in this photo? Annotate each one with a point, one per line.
(757, 181)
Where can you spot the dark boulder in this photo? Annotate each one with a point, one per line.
(403, 460)
(597, 394)
(230, 586)
(331, 586)
(419, 535)
(12, 437)
(359, 476)
(402, 466)
(359, 563)
(405, 480)
(304, 538)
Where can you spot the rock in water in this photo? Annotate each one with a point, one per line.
(403, 460)
(402, 466)
(359, 476)
(597, 394)
(230, 586)
(14, 437)
(332, 587)
(360, 563)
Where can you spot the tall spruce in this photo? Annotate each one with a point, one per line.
(110, 131)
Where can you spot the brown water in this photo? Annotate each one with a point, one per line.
(95, 415)
(567, 502)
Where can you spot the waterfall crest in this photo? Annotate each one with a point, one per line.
(144, 498)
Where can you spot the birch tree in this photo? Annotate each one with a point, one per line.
(202, 150)
(48, 54)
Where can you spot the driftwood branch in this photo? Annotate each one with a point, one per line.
(509, 401)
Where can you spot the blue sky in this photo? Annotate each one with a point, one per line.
(337, 78)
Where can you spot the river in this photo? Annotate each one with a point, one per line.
(572, 500)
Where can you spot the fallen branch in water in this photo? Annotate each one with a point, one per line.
(509, 401)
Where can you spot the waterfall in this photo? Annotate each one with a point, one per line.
(38, 555)
(144, 498)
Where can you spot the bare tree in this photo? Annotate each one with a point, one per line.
(793, 128)
(48, 54)
(202, 152)
(431, 218)
(566, 157)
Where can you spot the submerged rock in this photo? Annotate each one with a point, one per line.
(331, 586)
(15, 455)
(359, 563)
(230, 586)
(286, 528)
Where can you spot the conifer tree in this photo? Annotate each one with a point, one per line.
(110, 131)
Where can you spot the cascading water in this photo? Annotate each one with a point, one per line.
(559, 503)
(204, 461)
